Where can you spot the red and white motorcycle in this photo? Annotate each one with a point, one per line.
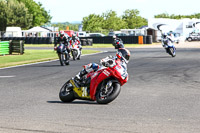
(103, 85)
(75, 50)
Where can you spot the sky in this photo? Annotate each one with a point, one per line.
(76, 10)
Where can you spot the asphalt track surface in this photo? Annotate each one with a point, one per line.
(161, 96)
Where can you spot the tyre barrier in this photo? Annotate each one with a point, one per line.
(86, 40)
(30, 40)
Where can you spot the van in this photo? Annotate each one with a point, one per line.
(82, 34)
(96, 35)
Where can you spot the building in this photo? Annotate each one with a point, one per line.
(183, 27)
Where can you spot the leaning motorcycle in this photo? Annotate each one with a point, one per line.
(63, 55)
(169, 47)
(75, 51)
(102, 86)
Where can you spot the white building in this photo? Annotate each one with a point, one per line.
(183, 26)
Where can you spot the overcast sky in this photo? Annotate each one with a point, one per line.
(75, 10)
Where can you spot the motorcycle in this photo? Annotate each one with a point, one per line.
(102, 86)
(169, 47)
(63, 54)
(75, 51)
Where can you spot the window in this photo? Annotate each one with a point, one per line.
(188, 26)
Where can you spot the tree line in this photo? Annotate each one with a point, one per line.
(172, 16)
(22, 13)
(109, 21)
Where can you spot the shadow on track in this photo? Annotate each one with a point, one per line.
(74, 102)
(160, 57)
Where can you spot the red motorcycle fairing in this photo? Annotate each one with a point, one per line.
(102, 74)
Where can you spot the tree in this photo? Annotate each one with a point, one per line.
(112, 22)
(133, 20)
(165, 15)
(93, 23)
(40, 15)
(62, 26)
(3, 19)
(13, 13)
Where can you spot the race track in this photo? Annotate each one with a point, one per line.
(162, 95)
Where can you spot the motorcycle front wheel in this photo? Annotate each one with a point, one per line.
(66, 59)
(106, 95)
(61, 58)
(66, 93)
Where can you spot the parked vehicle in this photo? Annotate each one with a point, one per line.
(121, 34)
(75, 51)
(193, 37)
(102, 86)
(96, 35)
(82, 34)
(63, 54)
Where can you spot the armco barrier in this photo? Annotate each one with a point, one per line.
(4, 47)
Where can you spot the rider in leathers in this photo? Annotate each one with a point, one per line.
(122, 58)
(62, 39)
(75, 39)
(167, 39)
(117, 42)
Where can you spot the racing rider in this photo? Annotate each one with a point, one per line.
(75, 39)
(62, 39)
(117, 42)
(122, 58)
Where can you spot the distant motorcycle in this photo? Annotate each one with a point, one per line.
(169, 47)
(102, 86)
(63, 54)
(75, 51)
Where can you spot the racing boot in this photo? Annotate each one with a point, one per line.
(79, 78)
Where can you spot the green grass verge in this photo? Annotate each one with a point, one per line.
(32, 56)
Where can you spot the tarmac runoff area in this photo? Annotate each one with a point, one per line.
(195, 44)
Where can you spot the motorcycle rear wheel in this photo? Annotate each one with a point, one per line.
(74, 54)
(66, 93)
(171, 50)
(113, 92)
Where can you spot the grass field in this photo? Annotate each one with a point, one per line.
(32, 56)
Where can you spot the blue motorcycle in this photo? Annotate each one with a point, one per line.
(63, 54)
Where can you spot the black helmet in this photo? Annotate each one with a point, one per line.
(123, 54)
(73, 37)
